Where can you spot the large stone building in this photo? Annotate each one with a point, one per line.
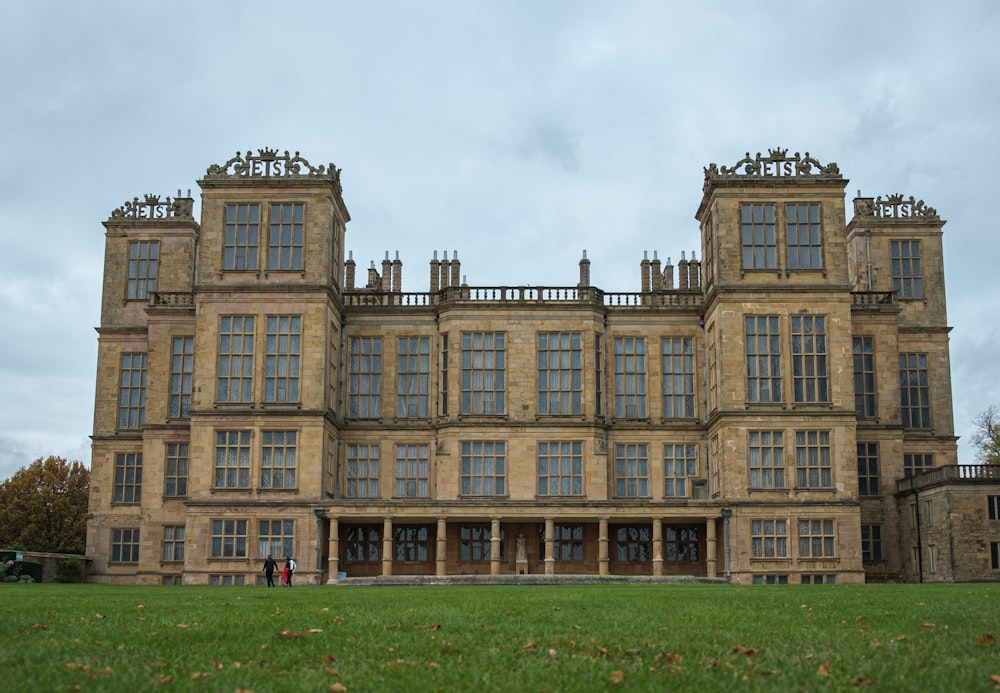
(746, 416)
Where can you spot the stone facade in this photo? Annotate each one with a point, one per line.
(741, 416)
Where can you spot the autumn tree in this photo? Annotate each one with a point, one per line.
(986, 439)
(43, 507)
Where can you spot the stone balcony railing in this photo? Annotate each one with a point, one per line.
(965, 473)
(507, 295)
(873, 300)
(171, 299)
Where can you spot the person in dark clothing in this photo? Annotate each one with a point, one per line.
(270, 565)
(290, 567)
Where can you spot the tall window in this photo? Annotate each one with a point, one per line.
(235, 383)
(229, 539)
(816, 539)
(993, 507)
(483, 373)
(567, 542)
(560, 468)
(680, 544)
(365, 378)
(239, 247)
(916, 464)
(864, 376)
(232, 459)
(907, 277)
(363, 543)
(868, 476)
(413, 380)
(634, 544)
(181, 376)
(128, 478)
(173, 542)
(914, 391)
(281, 358)
(631, 470)
(125, 545)
(995, 555)
(767, 459)
(284, 242)
(680, 463)
(410, 543)
(599, 374)
(362, 471)
(813, 466)
(443, 403)
(871, 542)
(763, 358)
(484, 468)
(678, 377)
(630, 377)
(275, 538)
(809, 375)
(412, 471)
(143, 269)
(805, 246)
(560, 373)
(769, 538)
(175, 472)
(757, 230)
(475, 543)
(132, 391)
(277, 460)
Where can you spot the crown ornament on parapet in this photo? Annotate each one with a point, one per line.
(152, 208)
(268, 163)
(894, 206)
(777, 164)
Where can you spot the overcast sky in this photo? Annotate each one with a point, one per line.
(517, 133)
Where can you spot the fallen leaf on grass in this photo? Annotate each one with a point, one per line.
(985, 640)
(164, 680)
(748, 651)
(315, 630)
(824, 668)
(182, 626)
(290, 634)
(996, 680)
(929, 625)
(617, 676)
(552, 653)
(338, 688)
(530, 646)
(862, 681)
(39, 626)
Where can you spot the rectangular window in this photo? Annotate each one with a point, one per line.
(560, 373)
(560, 468)
(767, 459)
(680, 544)
(816, 539)
(443, 404)
(567, 542)
(864, 376)
(868, 475)
(175, 472)
(125, 545)
(634, 544)
(805, 245)
(410, 543)
(363, 544)
(763, 348)
(413, 380)
(631, 470)
(475, 543)
(599, 374)
(916, 464)
(365, 378)
(128, 478)
(143, 269)
(757, 230)
(362, 471)
(278, 459)
(914, 391)
(630, 377)
(931, 559)
(678, 377)
(239, 249)
(680, 464)
(769, 538)
(871, 542)
(483, 373)
(484, 468)
(993, 507)
(810, 381)
(907, 277)
(232, 459)
(412, 471)
(276, 538)
(229, 539)
(284, 242)
(770, 579)
(173, 542)
(235, 380)
(282, 355)
(995, 555)
(181, 376)
(227, 580)
(808, 579)
(132, 391)
(813, 466)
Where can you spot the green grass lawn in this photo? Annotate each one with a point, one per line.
(489, 638)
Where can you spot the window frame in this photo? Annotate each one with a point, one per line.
(241, 237)
(142, 272)
(413, 377)
(483, 387)
(282, 359)
(132, 374)
(678, 377)
(285, 250)
(485, 462)
(559, 373)
(125, 542)
(763, 359)
(629, 376)
(279, 460)
(127, 486)
(365, 377)
(567, 476)
(236, 359)
(362, 472)
(905, 269)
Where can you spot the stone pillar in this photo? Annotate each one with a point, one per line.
(435, 272)
(442, 548)
(584, 271)
(397, 274)
(456, 269)
(602, 547)
(682, 273)
(333, 545)
(694, 272)
(657, 546)
(668, 275)
(495, 546)
(387, 546)
(445, 271)
(550, 559)
(657, 275)
(711, 550)
(386, 273)
(349, 271)
(644, 273)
